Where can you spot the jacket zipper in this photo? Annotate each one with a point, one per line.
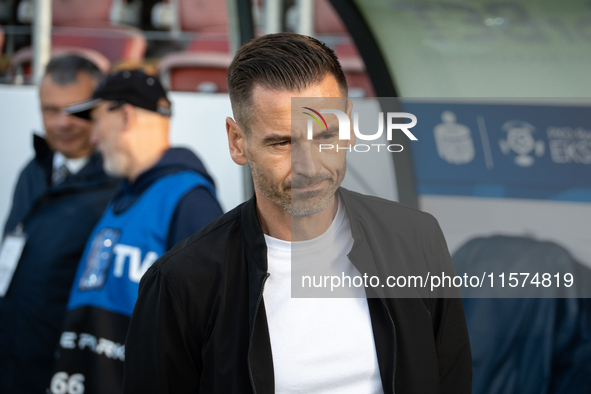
(395, 347)
(256, 310)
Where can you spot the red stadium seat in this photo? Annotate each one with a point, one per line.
(202, 66)
(70, 12)
(87, 25)
(210, 42)
(20, 64)
(203, 16)
(208, 18)
(116, 43)
(195, 72)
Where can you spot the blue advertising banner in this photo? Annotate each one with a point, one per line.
(511, 151)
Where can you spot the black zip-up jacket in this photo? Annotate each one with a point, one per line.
(200, 326)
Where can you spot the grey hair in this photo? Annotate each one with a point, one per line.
(64, 70)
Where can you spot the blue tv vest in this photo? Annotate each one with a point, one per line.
(123, 246)
(119, 251)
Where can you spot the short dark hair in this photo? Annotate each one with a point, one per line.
(285, 61)
(64, 70)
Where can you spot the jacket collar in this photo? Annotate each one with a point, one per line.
(256, 254)
(91, 175)
(255, 238)
(43, 156)
(260, 357)
(360, 254)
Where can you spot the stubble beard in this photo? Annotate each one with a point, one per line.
(305, 204)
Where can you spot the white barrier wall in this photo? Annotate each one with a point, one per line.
(464, 218)
(19, 117)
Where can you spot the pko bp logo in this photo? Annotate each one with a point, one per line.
(344, 129)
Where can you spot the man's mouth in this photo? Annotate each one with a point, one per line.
(68, 138)
(307, 187)
(303, 185)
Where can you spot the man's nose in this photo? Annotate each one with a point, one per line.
(65, 121)
(304, 159)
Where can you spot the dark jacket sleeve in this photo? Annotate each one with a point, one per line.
(162, 356)
(196, 209)
(451, 332)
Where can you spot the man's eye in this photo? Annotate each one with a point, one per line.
(324, 137)
(283, 143)
(50, 111)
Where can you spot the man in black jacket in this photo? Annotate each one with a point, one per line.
(59, 197)
(216, 313)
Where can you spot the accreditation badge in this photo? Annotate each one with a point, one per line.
(10, 254)
(99, 259)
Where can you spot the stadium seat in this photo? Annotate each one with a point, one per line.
(210, 42)
(87, 25)
(193, 15)
(204, 16)
(210, 20)
(203, 72)
(202, 66)
(20, 64)
(74, 12)
(116, 43)
(69, 12)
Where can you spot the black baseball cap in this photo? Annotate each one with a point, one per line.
(130, 86)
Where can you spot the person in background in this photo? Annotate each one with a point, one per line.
(59, 197)
(165, 196)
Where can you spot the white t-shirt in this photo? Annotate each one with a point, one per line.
(319, 345)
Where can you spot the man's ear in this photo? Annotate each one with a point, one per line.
(349, 108)
(353, 138)
(129, 116)
(236, 142)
